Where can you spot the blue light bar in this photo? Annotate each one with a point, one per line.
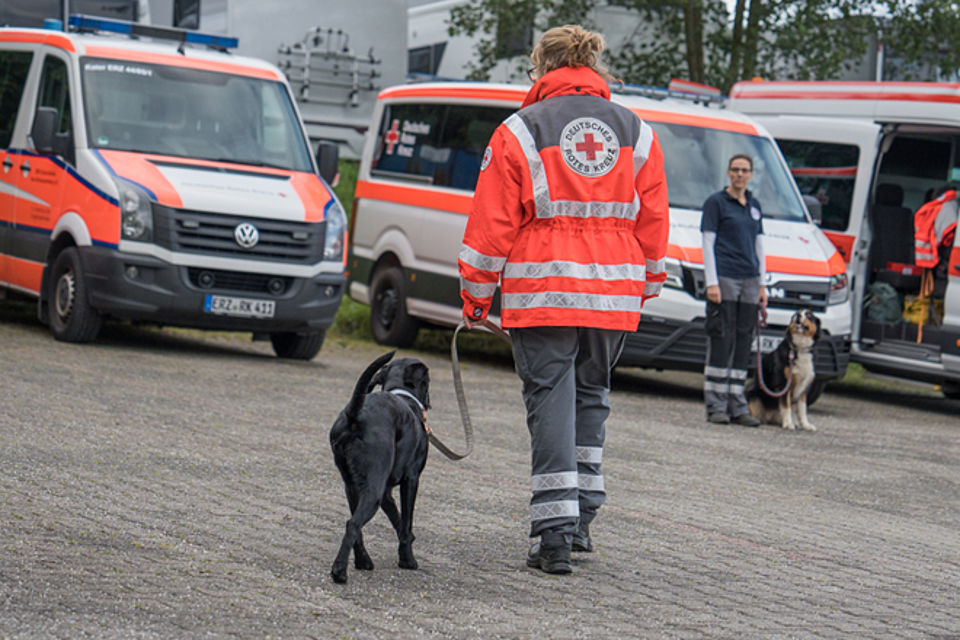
(91, 23)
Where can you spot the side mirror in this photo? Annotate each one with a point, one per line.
(815, 208)
(44, 129)
(328, 160)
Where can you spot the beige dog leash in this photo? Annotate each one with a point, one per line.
(461, 396)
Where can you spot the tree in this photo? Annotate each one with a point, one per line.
(922, 36)
(700, 41)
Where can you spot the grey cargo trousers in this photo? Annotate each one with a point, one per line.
(730, 334)
(566, 382)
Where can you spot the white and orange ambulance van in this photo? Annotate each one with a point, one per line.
(148, 175)
(872, 153)
(415, 188)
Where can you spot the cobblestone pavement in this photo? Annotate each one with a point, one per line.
(180, 485)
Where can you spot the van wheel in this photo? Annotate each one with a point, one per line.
(297, 346)
(815, 390)
(72, 319)
(951, 389)
(389, 320)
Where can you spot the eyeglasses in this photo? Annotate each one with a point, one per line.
(530, 75)
(739, 170)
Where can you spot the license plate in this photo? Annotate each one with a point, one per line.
(767, 343)
(239, 307)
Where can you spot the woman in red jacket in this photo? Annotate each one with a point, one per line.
(570, 216)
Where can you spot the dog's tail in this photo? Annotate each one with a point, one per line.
(363, 383)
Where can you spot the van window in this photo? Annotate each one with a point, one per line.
(437, 144)
(826, 171)
(696, 159)
(14, 66)
(55, 91)
(920, 163)
(191, 113)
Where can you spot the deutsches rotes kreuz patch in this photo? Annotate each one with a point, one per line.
(589, 147)
(755, 213)
(487, 155)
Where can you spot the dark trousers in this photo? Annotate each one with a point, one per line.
(566, 382)
(730, 333)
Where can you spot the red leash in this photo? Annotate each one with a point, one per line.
(762, 322)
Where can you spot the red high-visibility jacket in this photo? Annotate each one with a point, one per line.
(570, 213)
(934, 224)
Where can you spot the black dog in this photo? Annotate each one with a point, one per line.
(379, 441)
(790, 363)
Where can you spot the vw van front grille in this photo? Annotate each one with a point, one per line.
(215, 279)
(216, 234)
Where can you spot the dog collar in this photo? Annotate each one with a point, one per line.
(404, 392)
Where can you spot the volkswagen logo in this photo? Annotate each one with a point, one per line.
(246, 235)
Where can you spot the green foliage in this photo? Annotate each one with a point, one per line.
(790, 39)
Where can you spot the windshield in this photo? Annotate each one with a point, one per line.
(132, 106)
(696, 160)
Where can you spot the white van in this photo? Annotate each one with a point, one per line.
(415, 190)
(149, 175)
(872, 153)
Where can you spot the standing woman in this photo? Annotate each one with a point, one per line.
(570, 215)
(733, 260)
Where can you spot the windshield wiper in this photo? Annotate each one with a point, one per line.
(252, 163)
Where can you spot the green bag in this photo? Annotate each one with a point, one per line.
(882, 303)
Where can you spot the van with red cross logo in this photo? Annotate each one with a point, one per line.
(872, 154)
(415, 189)
(148, 175)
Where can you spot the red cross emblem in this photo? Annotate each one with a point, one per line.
(589, 147)
(392, 137)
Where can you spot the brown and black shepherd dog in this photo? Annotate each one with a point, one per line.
(790, 363)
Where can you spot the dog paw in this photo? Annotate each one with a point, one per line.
(339, 574)
(808, 427)
(407, 561)
(788, 425)
(362, 561)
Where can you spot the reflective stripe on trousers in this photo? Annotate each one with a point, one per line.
(566, 378)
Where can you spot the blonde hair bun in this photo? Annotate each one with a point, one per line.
(569, 46)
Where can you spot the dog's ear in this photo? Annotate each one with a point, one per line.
(417, 378)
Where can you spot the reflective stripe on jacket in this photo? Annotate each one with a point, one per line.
(933, 223)
(570, 213)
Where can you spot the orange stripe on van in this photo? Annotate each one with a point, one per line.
(695, 121)
(180, 61)
(815, 171)
(313, 195)
(52, 39)
(474, 93)
(25, 273)
(843, 242)
(137, 167)
(954, 266)
(427, 198)
(777, 264)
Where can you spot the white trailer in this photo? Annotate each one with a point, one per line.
(336, 55)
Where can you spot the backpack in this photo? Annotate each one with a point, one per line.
(882, 303)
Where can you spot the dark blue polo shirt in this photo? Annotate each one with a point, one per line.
(737, 227)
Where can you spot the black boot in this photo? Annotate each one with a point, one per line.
(581, 539)
(552, 553)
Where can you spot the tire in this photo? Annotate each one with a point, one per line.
(951, 389)
(815, 390)
(297, 346)
(72, 319)
(389, 320)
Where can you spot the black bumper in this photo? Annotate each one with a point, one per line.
(166, 294)
(675, 345)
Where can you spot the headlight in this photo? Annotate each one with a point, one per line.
(136, 214)
(674, 274)
(336, 221)
(839, 291)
